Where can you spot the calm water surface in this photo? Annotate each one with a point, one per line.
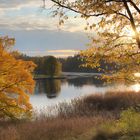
(51, 92)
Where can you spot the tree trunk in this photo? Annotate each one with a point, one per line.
(132, 23)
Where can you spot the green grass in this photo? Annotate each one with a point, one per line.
(127, 127)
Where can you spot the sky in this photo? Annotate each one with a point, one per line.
(39, 34)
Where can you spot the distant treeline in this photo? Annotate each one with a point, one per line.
(74, 64)
(47, 65)
(69, 64)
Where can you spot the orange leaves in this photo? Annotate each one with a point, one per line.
(15, 82)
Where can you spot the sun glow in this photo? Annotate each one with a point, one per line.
(130, 33)
(136, 87)
(137, 74)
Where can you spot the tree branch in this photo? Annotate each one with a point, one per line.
(132, 23)
(90, 15)
(135, 6)
(79, 12)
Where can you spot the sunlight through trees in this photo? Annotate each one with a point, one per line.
(116, 39)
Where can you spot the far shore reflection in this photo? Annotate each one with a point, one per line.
(50, 87)
(50, 92)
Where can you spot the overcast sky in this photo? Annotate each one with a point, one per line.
(37, 33)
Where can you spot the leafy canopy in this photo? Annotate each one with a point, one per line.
(15, 82)
(116, 39)
(52, 66)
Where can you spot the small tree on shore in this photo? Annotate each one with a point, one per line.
(52, 66)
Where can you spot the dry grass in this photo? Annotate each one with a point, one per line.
(75, 121)
(109, 104)
(112, 100)
(55, 129)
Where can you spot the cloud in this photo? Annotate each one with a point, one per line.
(52, 42)
(63, 51)
(37, 21)
(37, 33)
(27, 15)
(56, 53)
(62, 55)
(17, 4)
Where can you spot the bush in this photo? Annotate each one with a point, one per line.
(126, 128)
(129, 121)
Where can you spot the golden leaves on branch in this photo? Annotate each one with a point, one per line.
(116, 34)
(16, 82)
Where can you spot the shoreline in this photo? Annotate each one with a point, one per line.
(67, 75)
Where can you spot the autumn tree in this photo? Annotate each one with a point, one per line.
(116, 39)
(16, 82)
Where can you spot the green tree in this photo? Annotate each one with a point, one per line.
(52, 66)
(116, 24)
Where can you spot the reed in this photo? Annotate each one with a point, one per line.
(79, 119)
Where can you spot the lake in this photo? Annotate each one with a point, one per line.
(49, 92)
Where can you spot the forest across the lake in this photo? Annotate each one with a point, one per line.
(69, 64)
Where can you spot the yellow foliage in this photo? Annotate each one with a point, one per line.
(116, 38)
(16, 82)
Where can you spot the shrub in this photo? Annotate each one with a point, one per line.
(126, 128)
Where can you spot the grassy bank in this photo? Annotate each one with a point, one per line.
(41, 76)
(95, 117)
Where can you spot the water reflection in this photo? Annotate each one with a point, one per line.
(81, 81)
(50, 87)
(68, 89)
(53, 87)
